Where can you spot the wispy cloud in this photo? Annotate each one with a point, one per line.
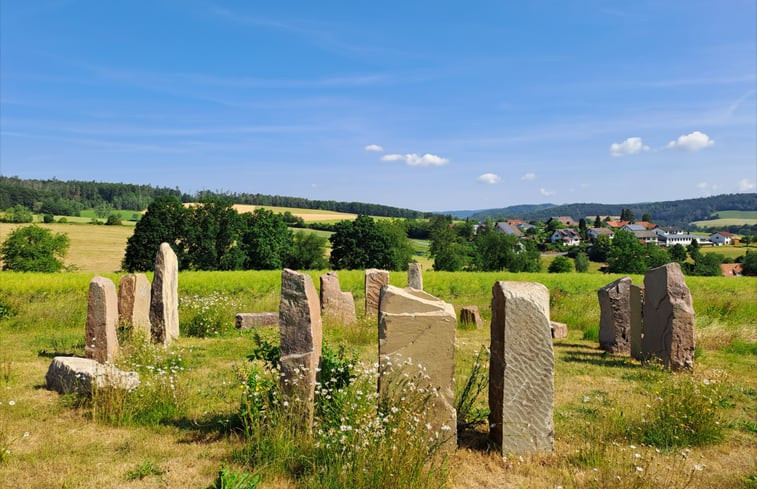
(746, 185)
(489, 178)
(545, 192)
(528, 176)
(694, 141)
(413, 159)
(374, 148)
(630, 146)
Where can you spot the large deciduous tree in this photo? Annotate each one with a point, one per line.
(626, 254)
(213, 230)
(363, 243)
(34, 249)
(164, 221)
(266, 241)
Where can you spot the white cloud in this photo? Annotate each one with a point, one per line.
(375, 148)
(745, 185)
(707, 188)
(545, 192)
(628, 147)
(412, 159)
(691, 142)
(528, 176)
(489, 178)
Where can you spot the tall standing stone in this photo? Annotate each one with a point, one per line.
(668, 318)
(335, 303)
(615, 316)
(415, 276)
(301, 338)
(374, 280)
(164, 301)
(471, 315)
(521, 369)
(102, 318)
(418, 330)
(134, 302)
(637, 324)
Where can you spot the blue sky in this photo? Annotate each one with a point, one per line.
(426, 105)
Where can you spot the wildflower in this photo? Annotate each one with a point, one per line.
(11, 403)
(699, 467)
(639, 469)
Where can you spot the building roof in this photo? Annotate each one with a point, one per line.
(725, 234)
(504, 227)
(617, 224)
(645, 234)
(646, 224)
(606, 231)
(634, 227)
(567, 220)
(730, 269)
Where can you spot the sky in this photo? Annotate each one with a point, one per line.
(426, 105)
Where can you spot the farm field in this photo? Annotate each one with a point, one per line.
(729, 218)
(44, 315)
(307, 215)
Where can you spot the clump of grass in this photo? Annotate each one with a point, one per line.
(469, 415)
(145, 469)
(231, 479)
(591, 333)
(683, 412)
(740, 347)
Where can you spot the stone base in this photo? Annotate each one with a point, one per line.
(74, 374)
(249, 320)
(559, 330)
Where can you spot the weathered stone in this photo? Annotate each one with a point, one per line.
(374, 280)
(471, 315)
(615, 316)
(521, 369)
(559, 330)
(668, 318)
(101, 340)
(250, 320)
(301, 338)
(134, 302)
(164, 301)
(417, 337)
(335, 303)
(415, 276)
(71, 374)
(637, 325)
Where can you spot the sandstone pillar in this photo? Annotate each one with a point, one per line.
(335, 303)
(637, 325)
(374, 280)
(134, 302)
(164, 300)
(615, 316)
(415, 276)
(101, 341)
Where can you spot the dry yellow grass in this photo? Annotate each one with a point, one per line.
(96, 249)
(307, 215)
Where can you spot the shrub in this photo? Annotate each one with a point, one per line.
(560, 264)
(18, 213)
(34, 249)
(468, 415)
(48, 218)
(582, 263)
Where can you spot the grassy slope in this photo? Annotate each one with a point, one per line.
(50, 313)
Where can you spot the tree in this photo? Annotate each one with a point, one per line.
(362, 243)
(656, 256)
(113, 220)
(266, 242)
(627, 215)
(18, 213)
(582, 263)
(646, 217)
(213, 229)
(307, 252)
(34, 249)
(560, 264)
(678, 253)
(164, 221)
(582, 228)
(749, 264)
(706, 264)
(48, 218)
(600, 249)
(597, 222)
(626, 254)
(451, 252)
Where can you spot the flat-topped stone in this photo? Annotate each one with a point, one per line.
(374, 280)
(250, 320)
(415, 276)
(559, 330)
(615, 316)
(134, 302)
(101, 340)
(72, 374)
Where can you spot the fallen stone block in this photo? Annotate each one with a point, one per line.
(249, 320)
(81, 375)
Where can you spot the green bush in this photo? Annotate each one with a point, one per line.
(34, 249)
(560, 264)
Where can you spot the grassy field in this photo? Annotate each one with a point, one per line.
(601, 401)
(729, 218)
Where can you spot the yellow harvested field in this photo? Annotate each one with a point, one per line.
(307, 215)
(96, 249)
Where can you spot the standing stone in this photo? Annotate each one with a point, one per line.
(615, 316)
(134, 302)
(668, 318)
(164, 302)
(415, 276)
(521, 369)
(417, 337)
(637, 325)
(335, 303)
(559, 330)
(102, 318)
(374, 280)
(301, 338)
(471, 315)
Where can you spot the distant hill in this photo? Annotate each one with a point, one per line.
(667, 213)
(513, 209)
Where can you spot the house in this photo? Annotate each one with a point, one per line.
(505, 228)
(721, 238)
(594, 233)
(669, 240)
(646, 236)
(730, 269)
(617, 224)
(669, 230)
(646, 224)
(566, 221)
(633, 227)
(566, 237)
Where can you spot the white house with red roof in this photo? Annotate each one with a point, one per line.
(721, 238)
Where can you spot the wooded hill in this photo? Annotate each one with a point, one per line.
(70, 197)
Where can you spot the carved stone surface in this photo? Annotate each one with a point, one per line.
(615, 316)
(668, 318)
(417, 337)
(301, 337)
(250, 320)
(415, 276)
(101, 340)
(559, 330)
(72, 374)
(134, 302)
(521, 369)
(374, 280)
(637, 324)
(471, 315)
(335, 303)
(164, 300)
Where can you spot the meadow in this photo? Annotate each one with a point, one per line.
(182, 425)
(729, 218)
